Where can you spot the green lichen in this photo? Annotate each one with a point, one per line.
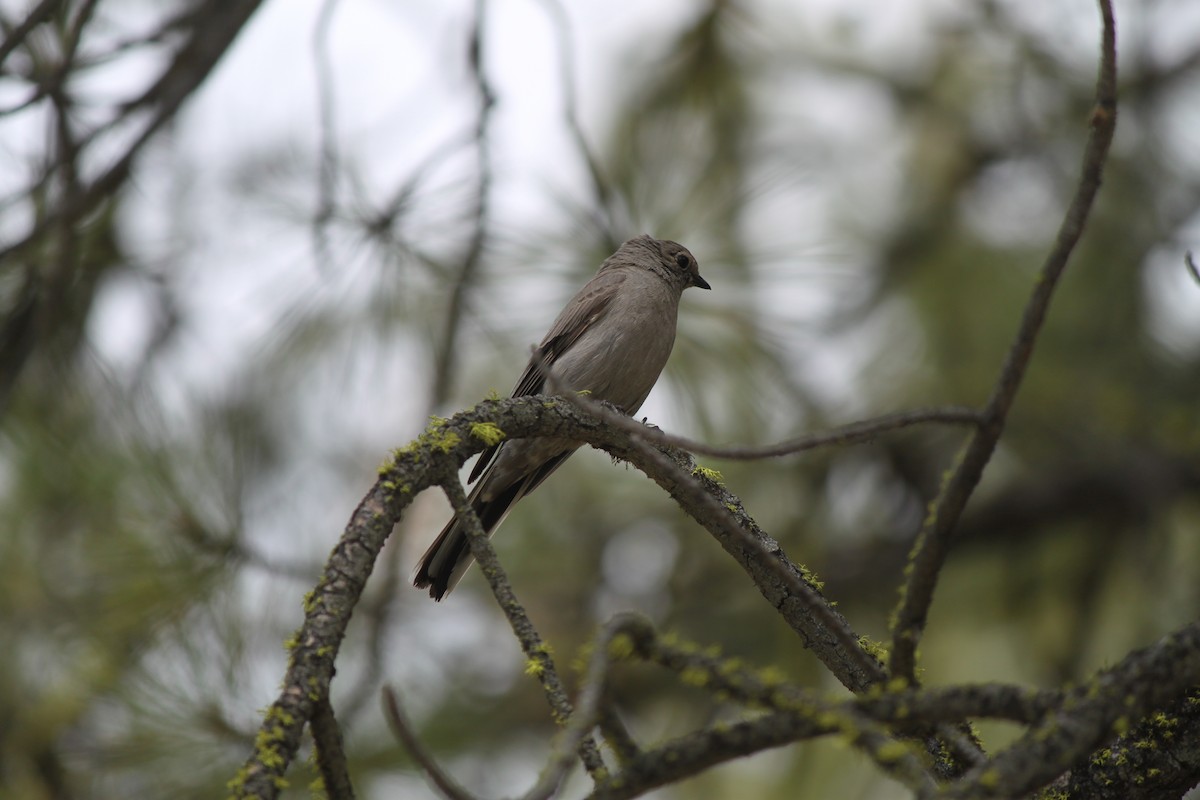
(874, 648)
(435, 437)
(772, 676)
(236, 784)
(444, 442)
(487, 432)
(891, 752)
(694, 676)
(267, 750)
(709, 474)
(539, 656)
(621, 647)
(811, 578)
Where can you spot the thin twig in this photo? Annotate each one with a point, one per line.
(799, 714)
(445, 354)
(36, 16)
(412, 743)
(851, 433)
(327, 145)
(842, 435)
(933, 542)
(195, 59)
(616, 735)
(723, 676)
(593, 690)
(601, 191)
(540, 661)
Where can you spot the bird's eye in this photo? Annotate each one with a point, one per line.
(682, 261)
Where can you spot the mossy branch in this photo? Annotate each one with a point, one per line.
(433, 459)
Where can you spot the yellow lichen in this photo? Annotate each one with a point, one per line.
(487, 432)
(891, 752)
(621, 647)
(694, 676)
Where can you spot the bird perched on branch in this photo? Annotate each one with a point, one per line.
(612, 340)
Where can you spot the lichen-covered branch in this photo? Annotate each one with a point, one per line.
(1156, 684)
(429, 461)
(539, 659)
(1145, 682)
(1071, 725)
(331, 752)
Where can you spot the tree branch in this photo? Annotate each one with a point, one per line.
(1145, 681)
(933, 542)
(217, 23)
(432, 460)
(445, 353)
(331, 753)
(539, 662)
(36, 16)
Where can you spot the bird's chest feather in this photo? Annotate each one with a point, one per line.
(627, 350)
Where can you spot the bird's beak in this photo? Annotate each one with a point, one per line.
(700, 282)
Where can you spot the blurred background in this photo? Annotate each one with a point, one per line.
(368, 211)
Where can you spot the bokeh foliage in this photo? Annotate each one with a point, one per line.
(868, 190)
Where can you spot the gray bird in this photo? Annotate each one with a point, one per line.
(613, 340)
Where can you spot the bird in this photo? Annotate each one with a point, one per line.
(612, 340)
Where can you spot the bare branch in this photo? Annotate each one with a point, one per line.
(602, 192)
(843, 435)
(37, 15)
(217, 24)
(444, 356)
(933, 542)
(327, 146)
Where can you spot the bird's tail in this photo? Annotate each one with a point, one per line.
(450, 554)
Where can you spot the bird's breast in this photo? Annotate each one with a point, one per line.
(620, 358)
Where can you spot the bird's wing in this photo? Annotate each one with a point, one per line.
(583, 311)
